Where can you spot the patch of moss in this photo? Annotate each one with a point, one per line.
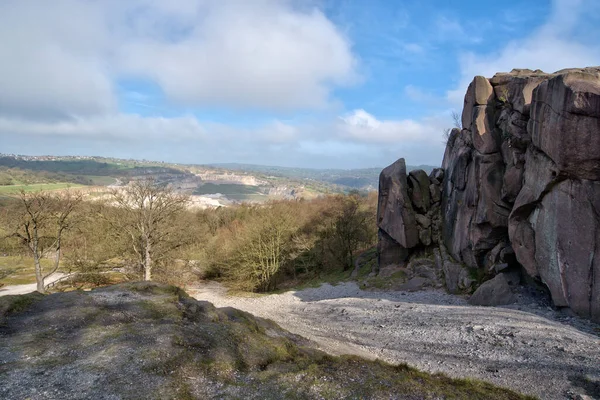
(151, 288)
(383, 283)
(398, 275)
(479, 275)
(367, 263)
(162, 310)
(18, 303)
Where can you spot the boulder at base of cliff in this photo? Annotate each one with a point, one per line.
(495, 292)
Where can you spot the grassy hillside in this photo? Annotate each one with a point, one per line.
(349, 178)
(15, 270)
(232, 191)
(11, 189)
(97, 171)
(24, 170)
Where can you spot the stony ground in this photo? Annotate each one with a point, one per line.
(527, 346)
(151, 341)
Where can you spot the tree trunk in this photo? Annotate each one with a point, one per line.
(57, 254)
(147, 261)
(39, 276)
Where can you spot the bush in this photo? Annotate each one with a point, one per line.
(297, 240)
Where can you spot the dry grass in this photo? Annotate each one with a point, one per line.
(16, 270)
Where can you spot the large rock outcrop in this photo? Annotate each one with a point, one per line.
(407, 212)
(522, 182)
(395, 215)
(409, 222)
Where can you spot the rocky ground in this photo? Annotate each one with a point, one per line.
(527, 346)
(151, 341)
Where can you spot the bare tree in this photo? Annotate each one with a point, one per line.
(264, 248)
(40, 219)
(457, 119)
(446, 135)
(144, 212)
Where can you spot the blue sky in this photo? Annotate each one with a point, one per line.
(311, 83)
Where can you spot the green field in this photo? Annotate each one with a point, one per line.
(101, 180)
(232, 191)
(12, 189)
(19, 270)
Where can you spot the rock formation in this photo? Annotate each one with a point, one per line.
(519, 189)
(407, 211)
(494, 292)
(408, 218)
(522, 185)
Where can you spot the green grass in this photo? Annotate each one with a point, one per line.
(16, 304)
(388, 282)
(13, 189)
(98, 180)
(336, 275)
(19, 270)
(232, 191)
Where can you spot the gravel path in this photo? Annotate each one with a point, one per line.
(28, 288)
(526, 346)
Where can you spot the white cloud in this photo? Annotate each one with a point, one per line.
(357, 139)
(364, 127)
(63, 60)
(46, 69)
(112, 126)
(358, 126)
(550, 48)
(278, 132)
(260, 54)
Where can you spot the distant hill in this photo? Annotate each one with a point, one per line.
(19, 170)
(362, 178)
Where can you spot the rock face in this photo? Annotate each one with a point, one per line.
(522, 182)
(395, 213)
(407, 212)
(409, 222)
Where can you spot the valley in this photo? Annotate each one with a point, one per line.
(209, 186)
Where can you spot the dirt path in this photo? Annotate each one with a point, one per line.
(28, 288)
(527, 346)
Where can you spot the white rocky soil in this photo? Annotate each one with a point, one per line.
(527, 346)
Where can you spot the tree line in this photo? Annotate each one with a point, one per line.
(148, 231)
